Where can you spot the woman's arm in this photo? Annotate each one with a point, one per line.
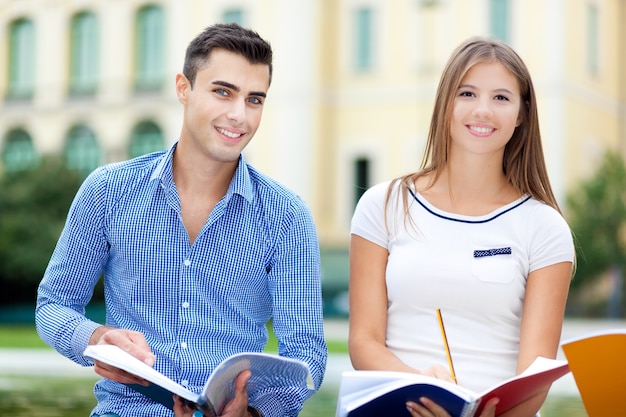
(368, 308)
(542, 320)
(368, 312)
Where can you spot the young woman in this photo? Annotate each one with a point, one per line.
(476, 233)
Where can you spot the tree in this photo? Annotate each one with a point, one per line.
(33, 208)
(597, 216)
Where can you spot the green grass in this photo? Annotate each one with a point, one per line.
(20, 336)
(27, 396)
(23, 336)
(563, 407)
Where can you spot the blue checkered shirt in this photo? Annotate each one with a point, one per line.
(256, 258)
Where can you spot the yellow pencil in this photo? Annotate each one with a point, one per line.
(445, 344)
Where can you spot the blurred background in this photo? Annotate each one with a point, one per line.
(87, 82)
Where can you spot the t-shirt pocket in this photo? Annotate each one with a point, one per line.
(493, 265)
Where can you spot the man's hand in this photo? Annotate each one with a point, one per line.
(237, 407)
(129, 341)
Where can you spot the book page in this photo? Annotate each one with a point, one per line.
(365, 393)
(267, 371)
(115, 356)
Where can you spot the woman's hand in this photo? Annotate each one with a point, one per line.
(439, 372)
(427, 408)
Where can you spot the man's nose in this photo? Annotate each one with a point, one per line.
(237, 111)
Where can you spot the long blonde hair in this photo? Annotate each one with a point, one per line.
(523, 163)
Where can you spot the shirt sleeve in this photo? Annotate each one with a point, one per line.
(295, 287)
(368, 220)
(72, 273)
(552, 240)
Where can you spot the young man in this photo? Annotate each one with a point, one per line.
(198, 249)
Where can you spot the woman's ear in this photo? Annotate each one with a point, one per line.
(519, 116)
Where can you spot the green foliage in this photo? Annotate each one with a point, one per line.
(597, 215)
(33, 208)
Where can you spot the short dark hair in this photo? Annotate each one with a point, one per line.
(230, 37)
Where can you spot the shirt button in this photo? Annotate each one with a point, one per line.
(187, 262)
(185, 304)
(183, 345)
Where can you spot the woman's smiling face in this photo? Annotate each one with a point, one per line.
(486, 109)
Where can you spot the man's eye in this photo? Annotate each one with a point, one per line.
(255, 100)
(221, 91)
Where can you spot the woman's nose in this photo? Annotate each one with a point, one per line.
(483, 109)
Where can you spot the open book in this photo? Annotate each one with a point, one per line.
(267, 371)
(380, 393)
(597, 363)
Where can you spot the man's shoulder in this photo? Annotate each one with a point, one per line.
(118, 178)
(131, 168)
(137, 164)
(269, 187)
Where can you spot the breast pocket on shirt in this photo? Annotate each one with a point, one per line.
(494, 265)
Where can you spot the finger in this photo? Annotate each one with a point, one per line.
(241, 383)
(441, 372)
(490, 407)
(434, 408)
(417, 410)
(130, 341)
(238, 405)
(118, 375)
(179, 407)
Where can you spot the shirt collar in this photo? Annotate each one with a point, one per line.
(240, 184)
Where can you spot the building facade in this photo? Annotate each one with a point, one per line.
(351, 97)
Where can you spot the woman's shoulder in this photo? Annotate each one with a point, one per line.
(380, 192)
(544, 216)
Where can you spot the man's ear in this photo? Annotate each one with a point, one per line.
(182, 87)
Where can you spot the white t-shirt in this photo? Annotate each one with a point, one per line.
(473, 268)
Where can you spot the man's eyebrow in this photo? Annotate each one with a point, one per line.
(237, 89)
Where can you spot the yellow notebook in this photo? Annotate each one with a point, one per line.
(598, 363)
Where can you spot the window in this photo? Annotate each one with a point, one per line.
(18, 153)
(146, 138)
(592, 38)
(83, 54)
(361, 177)
(363, 36)
(149, 56)
(21, 69)
(81, 150)
(233, 16)
(500, 19)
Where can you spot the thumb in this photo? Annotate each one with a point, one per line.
(241, 383)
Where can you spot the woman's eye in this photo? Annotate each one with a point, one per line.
(466, 94)
(502, 98)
